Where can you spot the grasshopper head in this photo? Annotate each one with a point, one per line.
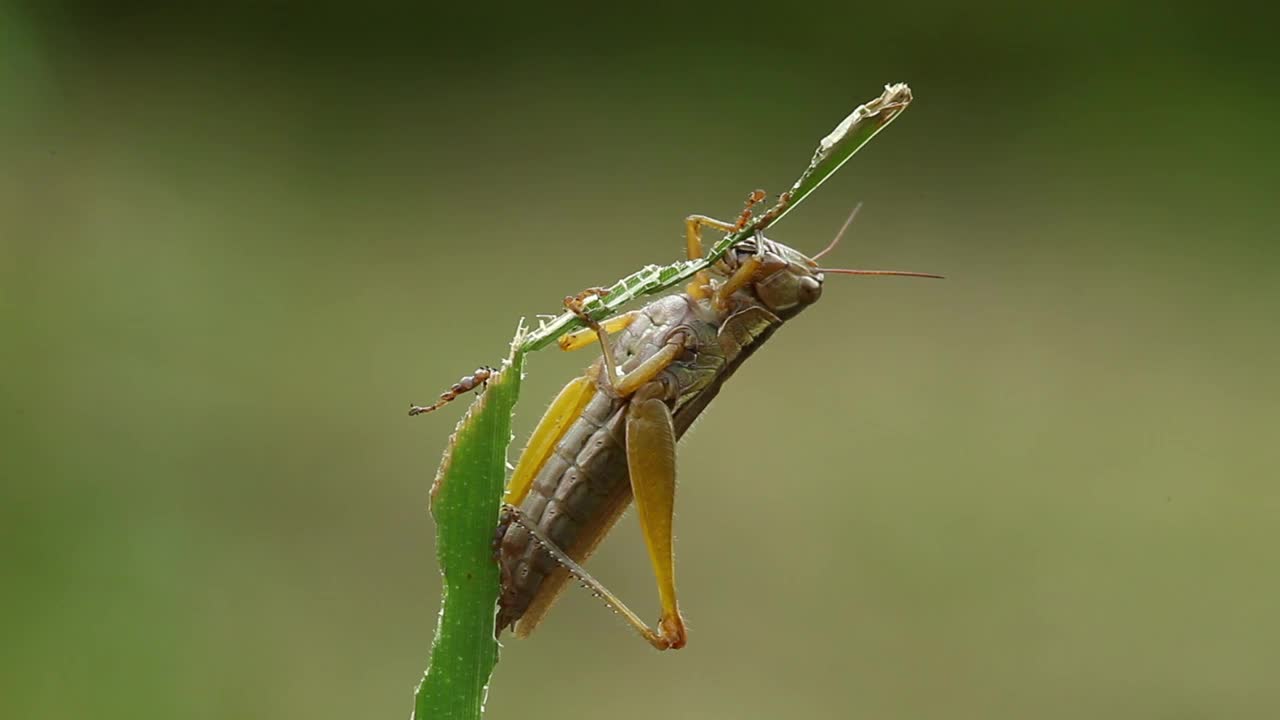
(786, 280)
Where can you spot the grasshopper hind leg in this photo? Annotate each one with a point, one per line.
(651, 461)
(512, 515)
(650, 441)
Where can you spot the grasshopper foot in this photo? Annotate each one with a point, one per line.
(672, 632)
(576, 304)
(478, 379)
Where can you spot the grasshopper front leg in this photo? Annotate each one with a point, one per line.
(699, 287)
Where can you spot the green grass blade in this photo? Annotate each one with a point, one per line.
(464, 502)
(832, 153)
(649, 280)
(834, 150)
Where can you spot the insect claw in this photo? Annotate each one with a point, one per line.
(577, 304)
(478, 379)
(755, 197)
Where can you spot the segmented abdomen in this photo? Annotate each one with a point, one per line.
(585, 475)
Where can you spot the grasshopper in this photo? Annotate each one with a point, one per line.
(609, 436)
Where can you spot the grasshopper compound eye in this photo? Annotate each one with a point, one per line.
(809, 290)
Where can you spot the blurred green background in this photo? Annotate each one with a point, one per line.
(237, 240)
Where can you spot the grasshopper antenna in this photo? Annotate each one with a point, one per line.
(899, 273)
(842, 271)
(836, 240)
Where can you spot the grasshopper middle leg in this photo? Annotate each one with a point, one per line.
(587, 336)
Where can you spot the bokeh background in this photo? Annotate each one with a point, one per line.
(237, 239)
